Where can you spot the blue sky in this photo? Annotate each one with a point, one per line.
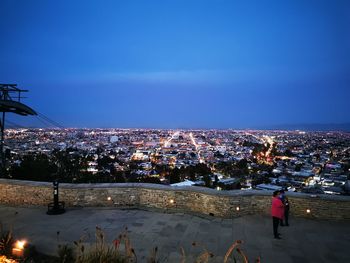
(179, 64)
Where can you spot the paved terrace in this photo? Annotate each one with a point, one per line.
(305, 240)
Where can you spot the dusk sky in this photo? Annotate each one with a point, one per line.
(179, 64)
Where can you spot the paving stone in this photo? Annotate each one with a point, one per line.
(306, 240)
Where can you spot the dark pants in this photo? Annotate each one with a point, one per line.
(281, 222)
(286, 216)
(275, 223)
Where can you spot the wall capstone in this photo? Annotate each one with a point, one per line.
(197, 200)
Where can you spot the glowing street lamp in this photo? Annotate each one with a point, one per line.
(18, 249)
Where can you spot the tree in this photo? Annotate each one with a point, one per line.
(242, 164)
(317, 157)
(118, 176)
(217, 154)
(150, 180)
(71, 166)
(35, 167)
(288, 153)
(216, 180)
(175, 176)
(298, 167)
(207, 181)
(104, 162)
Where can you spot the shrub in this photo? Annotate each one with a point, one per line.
(6, 243)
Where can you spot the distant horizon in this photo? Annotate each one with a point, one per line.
(179, 63)
(341, 127)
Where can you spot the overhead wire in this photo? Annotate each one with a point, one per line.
(52, 122)
(45, 123)
(42, 118)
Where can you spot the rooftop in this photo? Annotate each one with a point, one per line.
(305, 240)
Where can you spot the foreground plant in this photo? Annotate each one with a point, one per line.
(121, 251)
(65, 254)
(206, 255)
(4, 259)
(235, 247)
(6, 242)
(99, 251)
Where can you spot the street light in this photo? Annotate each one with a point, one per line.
(18, 249)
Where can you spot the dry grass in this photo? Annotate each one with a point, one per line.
(230, 250)
(120, 251)
(153, 256)
(242, 256)
(205, 256)
(6, 242)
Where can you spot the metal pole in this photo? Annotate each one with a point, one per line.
(2, 124)
(55, 195)
(8, 104)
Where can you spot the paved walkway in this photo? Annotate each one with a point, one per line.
(306, 240)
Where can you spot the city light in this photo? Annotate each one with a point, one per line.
(171, 201)
(18, 249)
(4, 259)
(175, 134)
(20, 244)
(196, 146)
(308, 211)
(160, 156)
(238, 208)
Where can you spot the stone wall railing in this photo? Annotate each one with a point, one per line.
(196, 200)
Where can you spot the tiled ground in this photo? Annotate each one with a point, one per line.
(305, 240)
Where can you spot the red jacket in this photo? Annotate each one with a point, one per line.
(277, 209)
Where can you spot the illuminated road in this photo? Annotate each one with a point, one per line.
(175, 134)
(270, 141)
(265, 140)
(201, 160)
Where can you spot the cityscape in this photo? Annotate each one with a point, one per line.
(298, 161)
(174, 131)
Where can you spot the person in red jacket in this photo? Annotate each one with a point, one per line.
(277, 212)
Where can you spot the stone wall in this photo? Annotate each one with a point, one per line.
(183, 199)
